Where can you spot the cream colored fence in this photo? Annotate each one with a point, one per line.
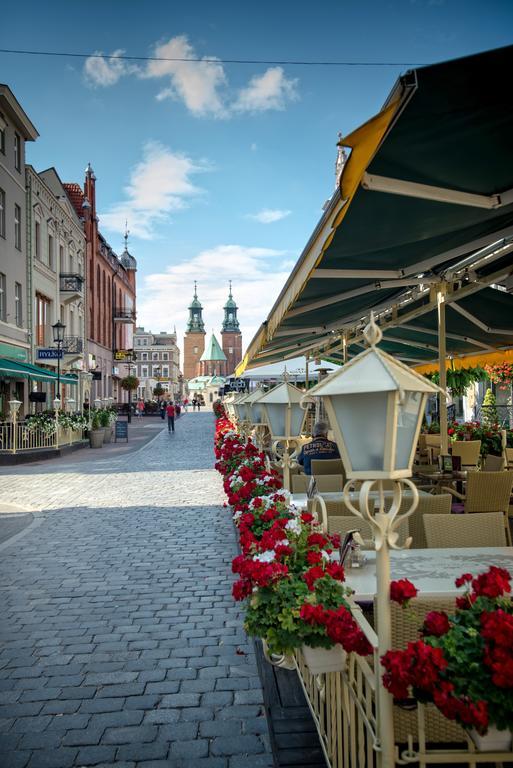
(345, 709)
(17, 437)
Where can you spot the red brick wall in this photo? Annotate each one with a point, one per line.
(233, 341)
(191, 367)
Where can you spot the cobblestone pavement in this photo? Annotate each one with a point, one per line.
(120, 642)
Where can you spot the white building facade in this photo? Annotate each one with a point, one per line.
(157, 361)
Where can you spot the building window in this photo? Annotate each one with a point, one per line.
(144, 355)
(2, 213)
(42, 318)
(50, 251)
(195, 350)
(3, 126)
(3, 298)
(155, 356)
(145, 342)
(144, 371)
(61, 259)
(230, 350)
(18, 306)
(138, 342)
(165, 356)
(17, 226)
(17, 151)
(38, 240)
(165, 372)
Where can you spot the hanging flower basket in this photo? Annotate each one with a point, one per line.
(320, 661)
(494, 740)
(501, 374)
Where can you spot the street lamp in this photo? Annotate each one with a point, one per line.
(58, 337)
(375, 405)
(255, 414)
(14, 407)
(285, 418)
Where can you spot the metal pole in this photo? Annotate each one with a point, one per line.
(444, 444)
(306, 374)
(15, 431)
(58, 395)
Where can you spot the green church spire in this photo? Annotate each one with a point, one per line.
(195, 323)
(230, 322)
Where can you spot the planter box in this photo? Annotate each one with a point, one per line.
(322, 660)
(493, 740)
(96, 438)
(107, 436)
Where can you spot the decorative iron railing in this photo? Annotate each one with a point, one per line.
(17, 437)
(73, 345)
(70, 282)
(122, 313)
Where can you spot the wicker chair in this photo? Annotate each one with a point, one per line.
(336, 518)
(428, 449)
(327, 467)
(482, 529)
(469, 451)
(487, 492)
(299, 483)
(493, 463)
(508, 455)
(428, 505)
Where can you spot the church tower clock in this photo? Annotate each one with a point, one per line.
(231, 335)
(194, 340)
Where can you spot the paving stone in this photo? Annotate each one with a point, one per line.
(16, 759)
(63, 757)
(141, 752)
(94, 755)
(236, 745)
(178, 732)
(102, 705)
(84, 737)
(189, 749)
(116, 719)
(162, 716)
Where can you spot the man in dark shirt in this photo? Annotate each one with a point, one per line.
(318, 448)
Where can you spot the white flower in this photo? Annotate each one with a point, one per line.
(283, 543)
(325, 555)
(266, 557)
(237, 515)
(294, 526)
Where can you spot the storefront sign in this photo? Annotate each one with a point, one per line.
(14, 353)
(123, 354)
(50, 354)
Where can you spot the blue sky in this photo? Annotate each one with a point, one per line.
(221, 170)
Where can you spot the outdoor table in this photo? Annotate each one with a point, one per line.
(300, 500)
(439, 479)
(433, 571)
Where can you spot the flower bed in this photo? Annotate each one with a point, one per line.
(490, 435)
(463, 663)
(292, 586)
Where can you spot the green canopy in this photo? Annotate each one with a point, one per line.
(425, 200)
(13, 369)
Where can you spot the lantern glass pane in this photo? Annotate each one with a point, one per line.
(297, 416)
(256, 413)
(408, 413)
(276, 414)
(362, 419)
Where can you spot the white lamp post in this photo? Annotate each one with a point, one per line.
(285, 418)
(375, 406)
(56, 407)
(228, 405)
(14, 407)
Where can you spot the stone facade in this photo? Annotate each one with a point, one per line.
(157, 360)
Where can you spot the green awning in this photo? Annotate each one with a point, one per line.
(430, 201)
(13, 369)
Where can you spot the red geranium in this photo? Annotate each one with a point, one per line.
(402, 590)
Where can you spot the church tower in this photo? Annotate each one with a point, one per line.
(194, 340)
(231, 335)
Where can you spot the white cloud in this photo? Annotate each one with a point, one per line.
(258, 275)
(105, 71)
(271, 90)
(198, 84)
(201, 84)
(268, 215)
(159, 184)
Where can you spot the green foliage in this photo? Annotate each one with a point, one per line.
(129, 383)
(489, 409)
(459, 379)
(158, 390)
(96, 418)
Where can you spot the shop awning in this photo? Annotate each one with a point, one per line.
(426, 198)
(13, 369)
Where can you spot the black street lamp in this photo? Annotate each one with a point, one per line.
(58, 338)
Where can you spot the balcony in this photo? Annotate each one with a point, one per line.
(123, 315)
(71, 286)
(73, 345)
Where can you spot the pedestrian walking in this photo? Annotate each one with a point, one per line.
(194, 403)
(162, 409)
(170, 411)
(185, 404)
(178, 410)
(140, 408)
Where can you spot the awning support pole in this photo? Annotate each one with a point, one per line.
(440, 297)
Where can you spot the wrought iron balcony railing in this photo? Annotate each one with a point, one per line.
(73, 345)
(71, 282)
(124, 315)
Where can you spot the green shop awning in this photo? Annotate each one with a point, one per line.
(15, 370)
(426, 197)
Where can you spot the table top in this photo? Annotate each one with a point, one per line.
(433, 571)
(300, 499)
(454, 474)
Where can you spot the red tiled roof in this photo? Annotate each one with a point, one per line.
(76, 197)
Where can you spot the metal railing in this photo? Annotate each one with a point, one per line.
(122, 313)
(345, 709)
(70, 282)
(17, 437)
(73, 345)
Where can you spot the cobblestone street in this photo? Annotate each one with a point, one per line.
(120, 642)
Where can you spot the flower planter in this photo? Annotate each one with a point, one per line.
(322, 660)
(494, 740)
(107, 434)
(96, 438)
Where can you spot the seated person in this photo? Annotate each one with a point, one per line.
(318, 448)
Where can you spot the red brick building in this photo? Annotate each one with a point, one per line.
(111, 297)
(231, 335)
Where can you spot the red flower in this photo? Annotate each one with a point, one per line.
(494, 583)
(312, 558)
(312, 575)
(316, 540)
(306, 517)
(402, 590)
(461, 580)
(336, 571)
(436, 623)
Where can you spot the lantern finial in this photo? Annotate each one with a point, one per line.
(372, 332)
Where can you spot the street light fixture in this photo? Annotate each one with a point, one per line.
(58, 337)
(375, 405)
(285, 418)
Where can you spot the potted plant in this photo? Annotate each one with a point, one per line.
(105, 423)
(96, 432)
(463, 663)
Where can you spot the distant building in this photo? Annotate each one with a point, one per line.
(213, 360)
(231, 335)
(194, 341)
(157, 361)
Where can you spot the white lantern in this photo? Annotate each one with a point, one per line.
(375, 406)
(97, 403)
(57, 404)
(14, 407)
(282, 411)
(240, 412)
(253, 406)
(228, 404)
(71, 403)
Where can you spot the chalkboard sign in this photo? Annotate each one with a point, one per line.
(121, 430)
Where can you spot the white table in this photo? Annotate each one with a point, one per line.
(300, 500)
(432, 571)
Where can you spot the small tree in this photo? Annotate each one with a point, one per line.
(129, 383)
(158, 390)
(489, 409)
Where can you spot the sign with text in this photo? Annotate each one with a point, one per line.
(121, 430)
(50, 354)
(123, 354)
